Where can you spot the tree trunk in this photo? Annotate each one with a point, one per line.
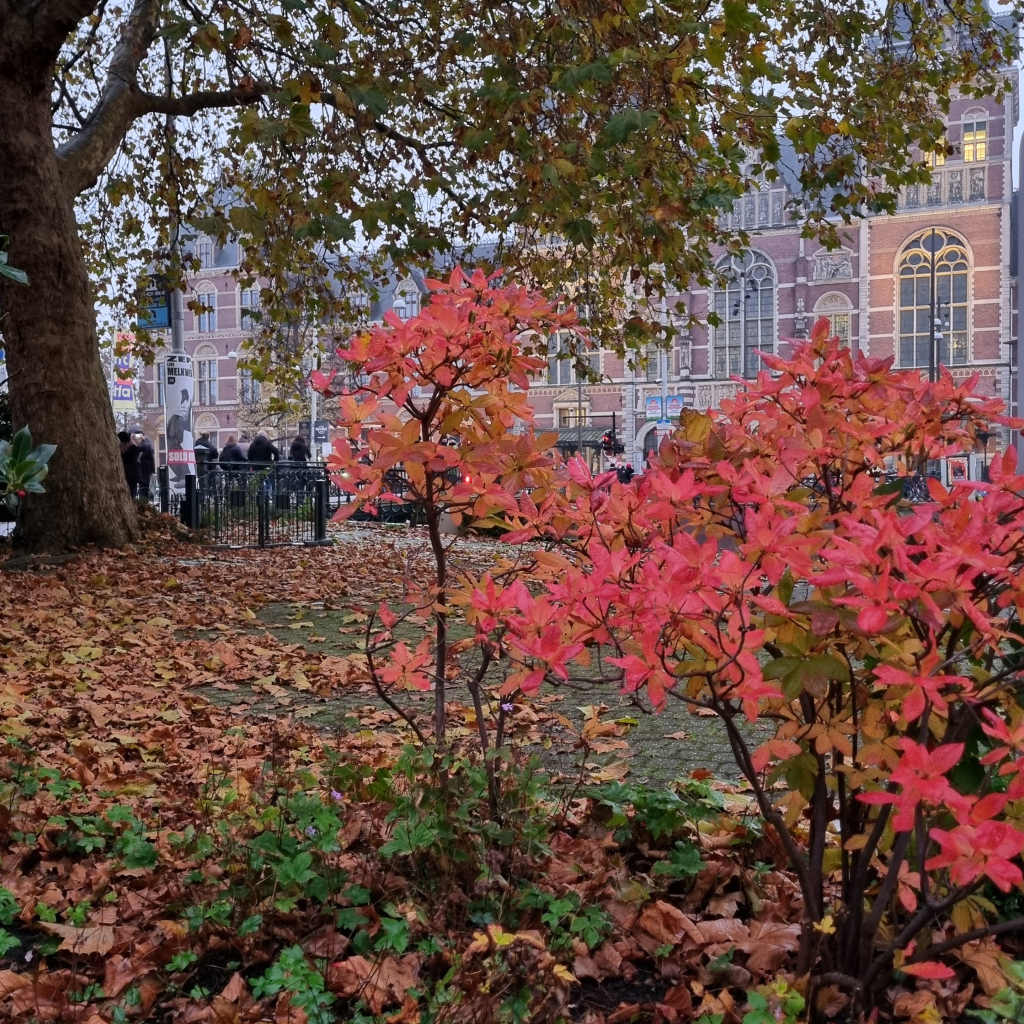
(57, 384)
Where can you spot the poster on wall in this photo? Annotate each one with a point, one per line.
(181, 456)
(674, 407)
(122, 384)
(652, 406)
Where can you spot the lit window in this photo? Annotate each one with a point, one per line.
(950, 305)
(206, 312)
(839, 327)
(745, 308)
(207, 381)
(975, 143)
(936, 159)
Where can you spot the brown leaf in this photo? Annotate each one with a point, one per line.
(11, 982)
(607, 959)
(911, 1004)
(986, 959)
(768, 944)
(326, 943)
(624, 1012)
(82, 941)
(380, 984)
(664, 922)
(585, 967)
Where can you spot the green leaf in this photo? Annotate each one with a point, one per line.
(621, 125)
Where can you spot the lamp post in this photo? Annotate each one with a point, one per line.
(933, 320)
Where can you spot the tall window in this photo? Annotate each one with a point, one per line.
(207, 378)
(250, 304)
(745, 308)
(950, 300)
(562, 367)
(206, 312)
(204, 250)
(407, 302)
(161, 384)
(249, 388)
(975, 141)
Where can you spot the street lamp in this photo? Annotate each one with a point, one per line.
(984, 437)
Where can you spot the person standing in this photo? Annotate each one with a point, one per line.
(263, 449)
(243, 443)
(147, 464)
(299, 450)
(130, 462)
(232, 452)
(205, 442)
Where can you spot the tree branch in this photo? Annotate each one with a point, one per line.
(83, 158)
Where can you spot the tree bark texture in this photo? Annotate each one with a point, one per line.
(57, 386)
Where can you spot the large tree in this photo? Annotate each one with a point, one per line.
(621, 127)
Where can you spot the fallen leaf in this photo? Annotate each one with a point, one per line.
(82, 941)
(381, 984)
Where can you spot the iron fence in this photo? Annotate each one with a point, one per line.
(250, 504)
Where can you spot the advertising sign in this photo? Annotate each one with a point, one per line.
(652, 407)
(156, 307)
(674, 407)
(181, 456)
(122, 385)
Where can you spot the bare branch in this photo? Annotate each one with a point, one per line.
(84, 157)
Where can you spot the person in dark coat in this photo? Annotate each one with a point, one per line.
(130, 462)
(299, 451)
(147, 464)
(263, 450)
(205, 442)
(231, 452)
(625, 473)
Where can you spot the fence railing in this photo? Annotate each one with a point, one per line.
(265, 504)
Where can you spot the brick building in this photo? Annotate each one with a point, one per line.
(876, 290)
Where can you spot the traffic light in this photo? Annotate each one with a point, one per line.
(610, 444)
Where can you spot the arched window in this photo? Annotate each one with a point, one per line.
(206, 375)
(745, 308)
(407, 301)
(951, 299)
(839, 311)
(206, 311)
(974, 140)
(205, 252)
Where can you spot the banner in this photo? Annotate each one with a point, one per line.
(674, 408)
(122, 384)
(652, 407)
(181, 456)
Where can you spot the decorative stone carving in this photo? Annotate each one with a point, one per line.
(800, 320)
(833, 266)
(833, 302)
(935, 190)
(956, 187)
(977, 183)
(777, 208)
(913, 196)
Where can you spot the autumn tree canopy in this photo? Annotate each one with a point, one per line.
(411, 126)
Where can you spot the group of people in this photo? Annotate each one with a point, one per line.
(260, 449)
(139, 462)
